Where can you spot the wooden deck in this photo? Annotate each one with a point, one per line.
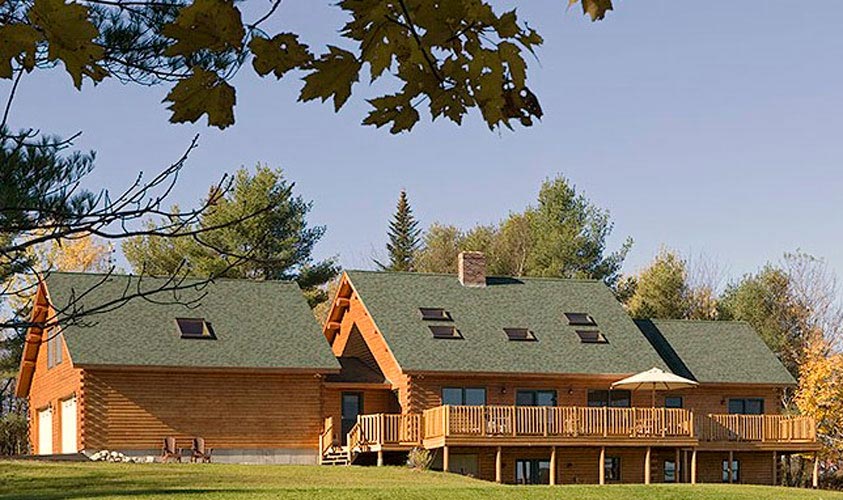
(575, 426)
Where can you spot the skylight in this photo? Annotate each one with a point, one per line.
(194, 328)
(522, 334)
(591, 337)
(434, 314)
(445, 332)
(580, 319)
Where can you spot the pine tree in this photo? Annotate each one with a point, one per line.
(404, 239)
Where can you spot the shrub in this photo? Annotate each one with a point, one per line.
(419, 459)
(14, 439)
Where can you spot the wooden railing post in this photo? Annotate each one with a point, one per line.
(605, 421)
(514, 420)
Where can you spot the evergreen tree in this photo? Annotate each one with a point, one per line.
(404, 239)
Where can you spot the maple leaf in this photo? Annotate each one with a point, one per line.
(395, 109)
(280, 54)
(596, 9)
(70, 35)
(14, 40)
(204, 92)
(333, 75)
(214, 25)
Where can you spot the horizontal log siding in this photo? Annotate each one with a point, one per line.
(756, 467)
(137, 409)
(51, 386)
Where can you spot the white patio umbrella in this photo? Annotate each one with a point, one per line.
(654, 379)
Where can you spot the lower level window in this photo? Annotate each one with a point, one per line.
(736, 471)
(613, 468)
(670, 471)
(532, 471)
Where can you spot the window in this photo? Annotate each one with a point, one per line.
(580, 319)
(591, 337)
(613, 468)
(435, 314)
(736, 471)
(617, 399)
(529, 397)
(522, 334)
(670, 471)
(464, 396)
(673, 402)
(54, 354)
(532, 471)
(445, 332)
(194, 328)
(746, 406)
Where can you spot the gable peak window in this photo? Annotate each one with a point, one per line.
(520, 334)
(591, 337)
(435, 314)
(445, 332)
(195, 328)
(580, 319)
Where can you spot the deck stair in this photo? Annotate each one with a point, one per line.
(337, 455)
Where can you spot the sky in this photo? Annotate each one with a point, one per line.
(712, 128)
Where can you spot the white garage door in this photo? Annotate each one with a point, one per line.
(68, 425)
(45, 432)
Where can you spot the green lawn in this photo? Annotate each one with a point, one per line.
(37, 480)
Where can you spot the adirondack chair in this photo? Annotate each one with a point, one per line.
(169, 450)
(199, 452)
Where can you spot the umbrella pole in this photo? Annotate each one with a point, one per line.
(654, 396)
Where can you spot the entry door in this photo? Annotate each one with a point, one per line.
(45, 432)
(352, 406)
(68, 426)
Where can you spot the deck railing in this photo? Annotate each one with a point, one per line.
(326, 439)
(756, 428)
(387, 429)
(571, 422)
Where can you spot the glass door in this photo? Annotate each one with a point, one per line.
(352, 406)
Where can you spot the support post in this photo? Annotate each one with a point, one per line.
(647, 466)
(815, 476)
(677, 471)
(498, 466)
(731, 465)
(775, 469)
(601, 468)
(445, 464)
(694, 466)
(380, 458)
(552, 465)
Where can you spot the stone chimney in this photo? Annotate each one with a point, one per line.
(472, 269)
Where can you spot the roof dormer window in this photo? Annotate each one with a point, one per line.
(434, 314)
(445, 332)
(580, 319)
(195, 328)
(520, 334)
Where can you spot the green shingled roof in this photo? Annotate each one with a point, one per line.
(716, 351)
(257, 324)
(481, 314)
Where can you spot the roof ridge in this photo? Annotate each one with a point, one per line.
(416, 273)
(47, 274)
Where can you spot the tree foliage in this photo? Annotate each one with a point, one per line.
(274, 245)
(450, 57)
(563, 236)
(404, 239)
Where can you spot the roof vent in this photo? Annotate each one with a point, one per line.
(472, 269)
(195, 328)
